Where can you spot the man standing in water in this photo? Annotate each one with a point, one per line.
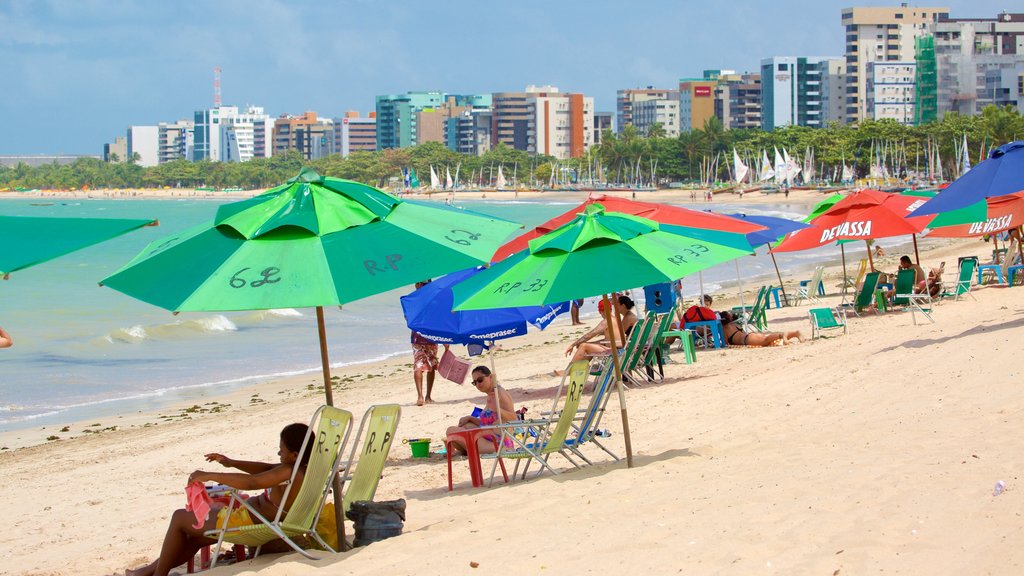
(5, 339)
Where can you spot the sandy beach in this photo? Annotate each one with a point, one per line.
(875, 451)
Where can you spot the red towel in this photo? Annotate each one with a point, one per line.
(198, 502)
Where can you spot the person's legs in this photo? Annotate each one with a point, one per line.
(430, 386)
(762, 339)
(181, 542)
(791, 335)
(588, 349)
(417, 376)
(574, 313)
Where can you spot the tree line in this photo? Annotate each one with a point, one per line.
(676, 159)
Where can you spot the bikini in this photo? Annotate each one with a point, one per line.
(737, 332)
(487, 418)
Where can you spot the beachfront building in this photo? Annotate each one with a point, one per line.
(696, 103)
(626, 100)
(144, 141)
(795, 90)
(979, 62)
(353, 133)
(116, 151)
(880, 34)
(469, 132)
(561, 124)
(737, 99)
(225, 134)
(664, 112)
(891, 91)
(309, 135)
(602, 122)
(174, 141)
(512, 116)
(396, 126)
(432, 123)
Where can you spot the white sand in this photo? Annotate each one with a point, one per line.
(873, 452)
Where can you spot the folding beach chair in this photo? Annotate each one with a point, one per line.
(757, 318)
(867, 292)
(587, 427)
(904, 287)
(362, 472)
(963, 282)
(329, 429)
(653, 354)
(810, 289)
(854, 283)
(826, 319)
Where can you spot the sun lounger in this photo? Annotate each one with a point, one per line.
(826, 319)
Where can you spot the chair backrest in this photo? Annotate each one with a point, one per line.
(904, 285)
(861, 271)
(758, 313)
(598, 399)
(815, 280)
(380, 422)
(663, 322)
(555, 439)
(634, 345)
(824, 318)
(967, 267)
(328, 431)
(867, 290)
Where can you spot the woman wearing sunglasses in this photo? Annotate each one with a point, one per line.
(498, 401)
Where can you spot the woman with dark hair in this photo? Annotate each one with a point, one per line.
(585, 349)
(499, 404)
(735, 336)
(183, 540)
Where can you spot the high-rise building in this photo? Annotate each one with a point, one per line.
(626, 99)
(891, 91)
(175, 141)
(738, 101)
(696, 103)
(469, 132)
(223, 134)
(311, 136)
(144, 141)
(561, 124)
(879, 34)
(510, 122)
(794, 91)
(978, 62)
(664, 112)
(355, 134)
(396, 121)
(602, 122)
(116, 151)
(431, 122)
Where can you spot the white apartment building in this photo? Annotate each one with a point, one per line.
(226, 135)
(891, 91)
(665, 112)
(174, 141)
(144, 141)
(978, 62)
(560, 125)
(880, 34)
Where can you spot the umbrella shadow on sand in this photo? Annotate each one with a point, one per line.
(924, 343)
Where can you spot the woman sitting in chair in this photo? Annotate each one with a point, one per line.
(498, 400)
(183, 540)
(585, 349)
(735, 336)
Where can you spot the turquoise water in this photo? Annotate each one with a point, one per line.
(83, 351)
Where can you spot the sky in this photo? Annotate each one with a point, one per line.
(74, 74)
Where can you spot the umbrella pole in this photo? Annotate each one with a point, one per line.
(618, 378)
(1020, 248)
(339, 512)
(871, 261)
(917, 257)
(779, 275)
(700, 277)
(846, 279)
(739, 284)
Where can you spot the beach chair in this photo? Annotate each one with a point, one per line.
(653, 353)
(810, 289)
(362, 472)
(867, 292)
(757, 318)
(635, 349)
(854, 283)
(963, 282)
(536, 440)
(904, 288)
(826, 319)
(587, 427)
(329, 429)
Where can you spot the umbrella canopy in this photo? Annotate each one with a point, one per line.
(428, 311)
(29, 241)
(597, 253)
(774, 227)
(824, 205)
(865, 215)
(313, 241)
(986, 217)
(1001, 174)
(661, 213)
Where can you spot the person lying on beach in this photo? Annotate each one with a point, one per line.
(182, 540)
(499, 403)
(5, 339)
(735, 336)
(584, 348)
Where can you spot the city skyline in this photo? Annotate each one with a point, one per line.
(78, 73)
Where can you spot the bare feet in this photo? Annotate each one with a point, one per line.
(429, 400)
(419, 401)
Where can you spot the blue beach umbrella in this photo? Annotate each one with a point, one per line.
(1002, 173)
(775, 228)
(428, 311)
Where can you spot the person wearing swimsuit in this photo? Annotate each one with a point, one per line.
(499, 403)
(735, 335)
(585, 349)
(182, 540)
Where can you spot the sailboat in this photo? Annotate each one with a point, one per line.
(740, 170)
(781, 169)
(767, 173)
(500, 184)
(435, 182)
(792, 168)
(447, 178)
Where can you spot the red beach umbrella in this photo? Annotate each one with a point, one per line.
(662, 213)
(1004, 213)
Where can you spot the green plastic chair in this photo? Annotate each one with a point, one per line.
(635, 349)
(963, 282)
(758, 317)
(904, 287)
(329, 429)
(826, 319)
(867, 291)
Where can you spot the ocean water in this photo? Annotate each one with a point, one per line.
(83, 351)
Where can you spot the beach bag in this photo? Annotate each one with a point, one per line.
(376, 520)
(452, 367)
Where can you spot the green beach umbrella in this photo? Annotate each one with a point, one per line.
(28, 241)
(594, 254)
(311, 242)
